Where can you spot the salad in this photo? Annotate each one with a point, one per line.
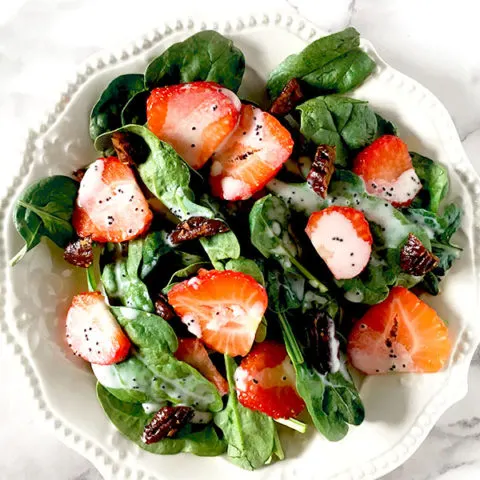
(242, 259)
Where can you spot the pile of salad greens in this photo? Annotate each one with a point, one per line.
(266, 240)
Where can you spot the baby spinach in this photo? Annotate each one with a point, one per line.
(269, 231)
(334, 63)
(345, 123)
(184, 273)
(332, 400)
(135, 110)
(44, 209)
(247, 266)
(250, 435)
(205, 56)
(167, 176)
(434, 178)
(130, 419)
(122, 282)
(154, 246)
(152, 373)
(106, 114)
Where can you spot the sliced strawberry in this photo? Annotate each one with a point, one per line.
(223, 308)
(341, 236)
(251, 157)
(192, 351)
(265, 381)
(195, 118)
(110, 205)
(400, 334)
(93, 332)
(387, 170)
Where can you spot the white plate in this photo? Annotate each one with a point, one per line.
(401, 409)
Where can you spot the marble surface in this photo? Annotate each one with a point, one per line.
(42, 42)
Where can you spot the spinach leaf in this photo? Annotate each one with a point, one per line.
(247, 266)
(167, 176)
(269, 231)
(121, 280)
(153, 374)
(182, 274)
(330, 64)
(250, 435)
(106, 114)
(44, 209)
(434, 178)
(135, 110)
(206, 56)
(130, 419)
(331, 399)
(385, 127)
(345, 123)
(154, 246)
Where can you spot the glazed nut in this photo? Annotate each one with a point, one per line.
(289, 98)
(166, 423)
(322, 170)
(197, 227)
(79, 252)
(415, 259)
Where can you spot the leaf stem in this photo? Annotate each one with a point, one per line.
(292, 423)
(293, 349)
(315, 282)
(19, 256)
(91, 280)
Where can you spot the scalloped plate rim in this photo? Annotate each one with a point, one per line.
(455, 388)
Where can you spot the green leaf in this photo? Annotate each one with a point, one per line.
(247, 266)
(167, 176)
(154, 246)
(330, 64)
(269, 232)
(385, 127)
(345, 123)
(135, 110)
(205, 56)
(182, 274)
(250, 435)
(106, 114)
(44, 209)
(130, 419)
(434, 178)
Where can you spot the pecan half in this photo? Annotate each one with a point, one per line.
(196, 227)
(123, 147)
(79, 252)
(415, 259)
(322, 345)
(166, 423)
(289, 98)
(79, 174)
(163, 308)
(322, 169)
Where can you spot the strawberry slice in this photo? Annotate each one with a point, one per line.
(192, 351)
(195, 118)
(223, 308)
(341, 236)
(387, 170)
(93, 332)
(265, 381)
(110, 206)
(251, 157)
(400, 334)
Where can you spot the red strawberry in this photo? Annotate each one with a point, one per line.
(192, 351)
(265, 381)
(93, 332)
(110, 205)
(400, 334)
(342, 237)
(195, 118)
(387, 170)
(251, 157)
(223, 308)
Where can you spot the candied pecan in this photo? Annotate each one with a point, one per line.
(166, 423)
(79, 174)
(163, 308)
(79, 252)
(123, 147)
(289, 98)
(322, 169)
(196, 227)
(415, 259)
(321, 348)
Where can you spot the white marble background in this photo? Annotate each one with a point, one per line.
(41, 43)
